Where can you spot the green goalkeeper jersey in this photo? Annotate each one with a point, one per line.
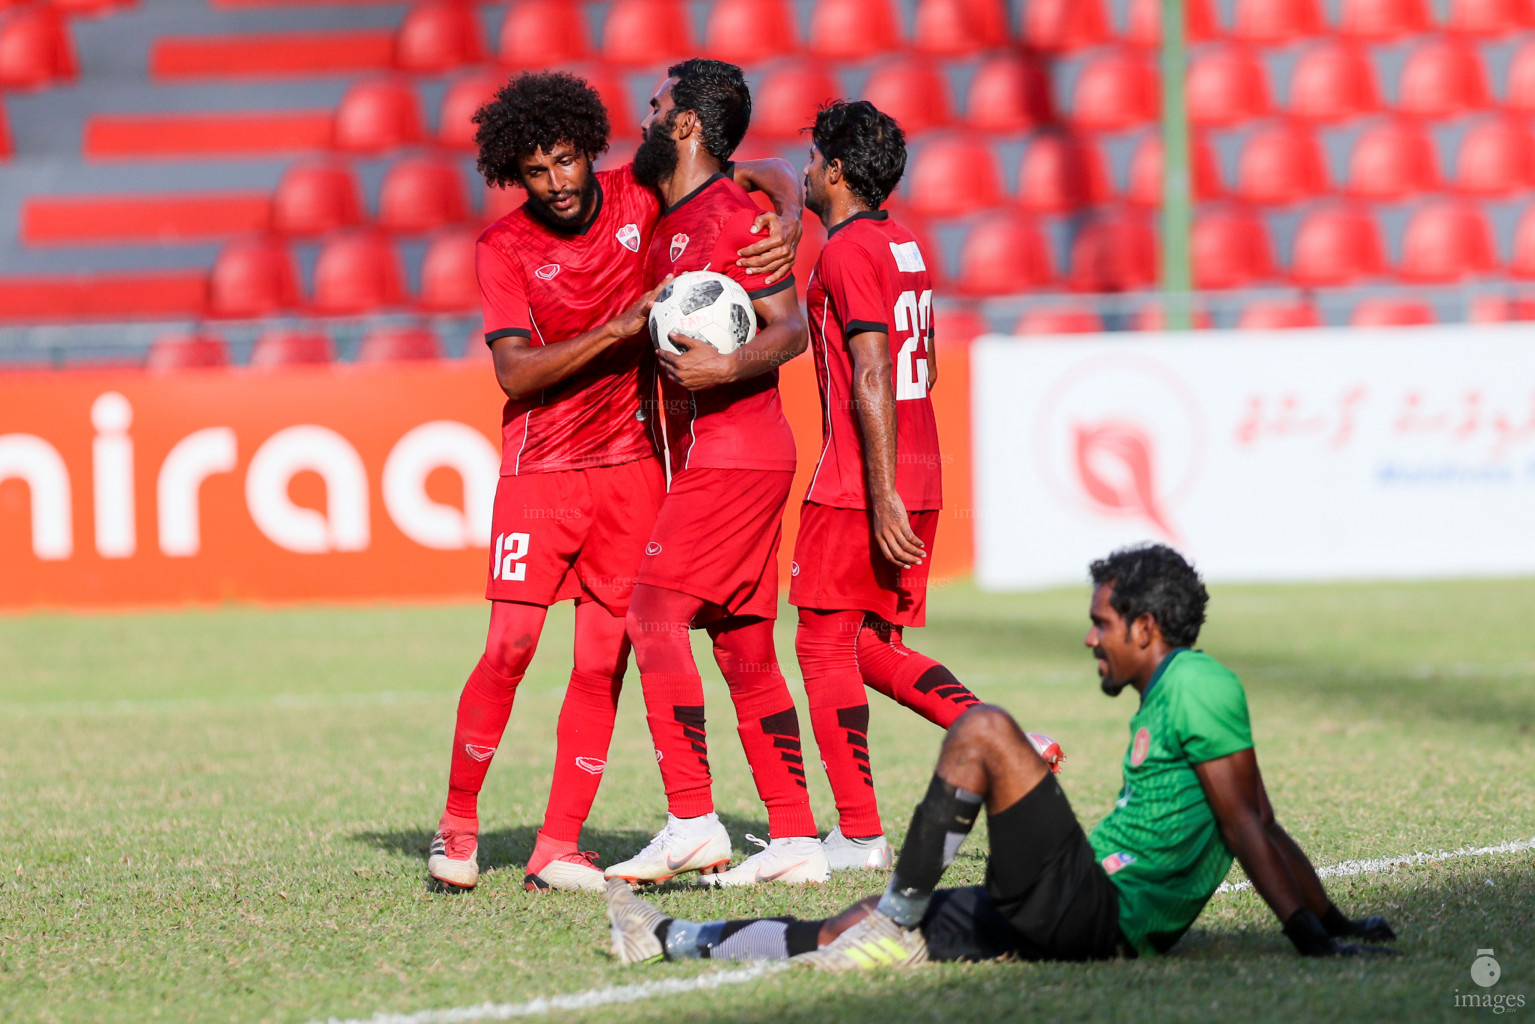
(1160, 844)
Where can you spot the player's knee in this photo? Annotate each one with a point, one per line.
(984, 725)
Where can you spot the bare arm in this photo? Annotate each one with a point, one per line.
(874, 398)
(523, 368)
(774, 255)
(781, 338)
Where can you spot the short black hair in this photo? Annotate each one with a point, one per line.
(718, 94)
(1153, 579)
(537, 110)
(869, 143)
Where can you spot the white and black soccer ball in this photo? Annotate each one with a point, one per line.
(704, 305)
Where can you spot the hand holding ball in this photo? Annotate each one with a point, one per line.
(704, 305)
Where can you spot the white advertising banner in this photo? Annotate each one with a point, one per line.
(1288, 455)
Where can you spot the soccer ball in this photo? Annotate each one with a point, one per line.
(704, 305)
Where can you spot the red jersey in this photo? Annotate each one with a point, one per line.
(733, 426)
(872, 277)
(549, 286)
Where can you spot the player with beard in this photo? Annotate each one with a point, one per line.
(871, 510)
(565, 314)
(1193, 797)
(712, 558)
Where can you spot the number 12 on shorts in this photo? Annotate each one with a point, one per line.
(915, 315)
(511, 549)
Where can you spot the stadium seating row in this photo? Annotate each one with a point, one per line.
(286, 346)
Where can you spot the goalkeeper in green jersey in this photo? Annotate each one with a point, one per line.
(1192, 799)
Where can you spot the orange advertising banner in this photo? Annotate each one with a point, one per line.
(348, 482)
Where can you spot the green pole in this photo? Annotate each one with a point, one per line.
(1177, 199)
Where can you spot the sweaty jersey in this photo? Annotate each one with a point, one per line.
(549, 286)
(1161, 844)
(872, 277)
(733, 426)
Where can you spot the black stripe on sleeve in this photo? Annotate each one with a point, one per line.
(508, 332)
(772, 289)
(859, 326)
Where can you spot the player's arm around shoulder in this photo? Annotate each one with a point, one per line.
(772, 258)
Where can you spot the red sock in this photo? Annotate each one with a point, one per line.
(826, 643)
(585, 727)
(483, 709)
(659, 621)
(767, 722)
(909, 677)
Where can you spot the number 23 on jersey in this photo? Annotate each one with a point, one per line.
(913, 319)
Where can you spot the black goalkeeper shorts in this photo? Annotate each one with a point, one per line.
(1045, 898)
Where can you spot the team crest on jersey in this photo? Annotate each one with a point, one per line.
(629, 237)
(679, 244)
(547, 271)
(1114, 861)
(1141, 747)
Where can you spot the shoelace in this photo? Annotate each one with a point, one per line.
(657, 842)
(587, 857)
(458, 845)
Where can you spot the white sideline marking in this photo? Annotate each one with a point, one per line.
(1383, 864)
(575, 1001)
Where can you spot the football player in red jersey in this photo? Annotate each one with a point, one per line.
(859, 574)
(565, 316)
(712, 559)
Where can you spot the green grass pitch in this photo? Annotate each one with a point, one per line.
(223, 815)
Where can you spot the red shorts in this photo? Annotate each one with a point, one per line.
(717, 538)
(838, 567)
(573, 534)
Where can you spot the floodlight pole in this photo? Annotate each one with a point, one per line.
(1177, 201)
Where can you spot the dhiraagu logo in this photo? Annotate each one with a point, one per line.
(1486, 972)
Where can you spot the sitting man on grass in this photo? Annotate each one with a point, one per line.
(1193, 797)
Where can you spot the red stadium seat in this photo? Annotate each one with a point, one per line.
(1058, 320)
(623, 116)
(1393, 160)
(1153, 318)
(1385, 19)
(538, 33)
(378, 115)
(1114, 91)
(316, 197)
(914, 92)
(1391, 313)
(186, 352)
(1495, 158)
(1267, 22)
(501, 201)
(853, 29)
(1447, 242)
(438, 35)
(1279, 164)
(448, 282)
(1005, 255)
(1145, 184)
(396, 344)
(953, 326)
(1229, 249)
(422, 193)
(749, 31)
(1488, 17)
(253, 277)
(6, 146)
(357, 271)
(788, 98)
(476, 350)
(288, 347)
(1267, 316)
(1520, 80)
(1499, 309)
(1062, 25)
(1115, 253)
(954, 175)
(958, 28)
(1333, 82)
(644, 33)
(1144, 22)
(1226, 86)
(1337, 245)
(1009, 93)
(1061, 173)
(465, 96)
(35, 48)
(92, 8)
(1443, 78)
(1523, 263)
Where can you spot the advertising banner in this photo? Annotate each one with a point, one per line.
(1293, 455)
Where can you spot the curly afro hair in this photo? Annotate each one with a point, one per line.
(537, 110)
(1153, 579)
(718, 94)
(869, 143)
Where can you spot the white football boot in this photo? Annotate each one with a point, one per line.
(567, 872)
(632, 925)
(796, 859)
(876, 941)
(844, 854)
(685, 844)
(452, 861)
